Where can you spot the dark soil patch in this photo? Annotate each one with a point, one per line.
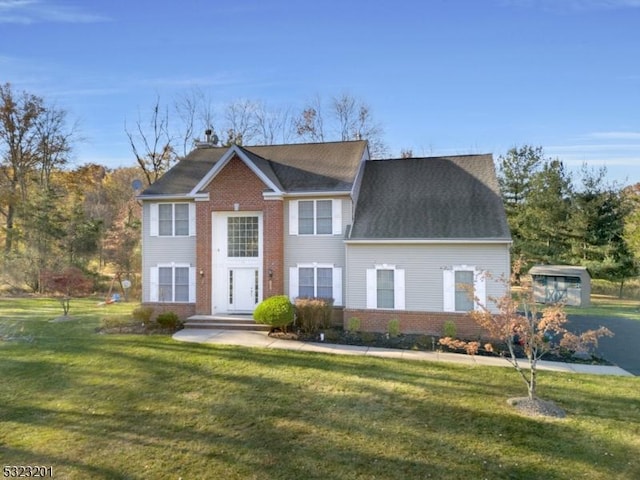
(418, 342)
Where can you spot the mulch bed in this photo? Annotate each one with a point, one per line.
(416, 342)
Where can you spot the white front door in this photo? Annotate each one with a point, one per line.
(243, 289)
(236, 261)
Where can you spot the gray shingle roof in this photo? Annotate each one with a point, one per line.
(432, 198)
(328, 166)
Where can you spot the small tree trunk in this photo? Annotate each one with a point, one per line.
(533, 379)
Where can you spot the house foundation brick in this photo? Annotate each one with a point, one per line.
(427, 323)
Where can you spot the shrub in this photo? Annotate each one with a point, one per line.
(275, 311)
(353, 325)
(313, 314)
(116, 322)
(393, 327)
(449, 329)
(168, 320)
(142, 314)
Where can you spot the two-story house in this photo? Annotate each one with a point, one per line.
(404, 238)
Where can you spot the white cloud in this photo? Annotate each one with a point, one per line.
(27, 12)
(573, 5)
(615, 135)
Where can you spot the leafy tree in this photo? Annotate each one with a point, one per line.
(542, 219)
(597, 228)
(18, 144)
(632, 221)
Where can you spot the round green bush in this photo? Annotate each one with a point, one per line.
(274, 311)
(168, 320)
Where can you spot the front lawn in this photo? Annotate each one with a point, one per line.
(609, 306)
(144, 406)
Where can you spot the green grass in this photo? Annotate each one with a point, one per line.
(609, 306)
(133, 407)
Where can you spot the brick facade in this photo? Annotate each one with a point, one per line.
(238, 184)
(428, 323)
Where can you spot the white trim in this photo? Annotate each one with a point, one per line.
(224, 160)
(399, 290)
(221, 263)
(336, 216)
(336, 278)
(405, 241)
(336, 193)
(192, 284)
(293, 283)
(154, 220)
(192, 219)
(154, 282)
(293, 217)
(172, 197)
(449, 287)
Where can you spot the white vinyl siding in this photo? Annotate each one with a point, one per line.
(424, 265)
(172, 283)
(162, 249)
(315, 217)
(316, 281)
(464, 289)
(172, 219)
(385, 288)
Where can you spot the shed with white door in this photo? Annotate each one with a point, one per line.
(561, 284)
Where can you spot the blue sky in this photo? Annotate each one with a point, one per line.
(442, 76)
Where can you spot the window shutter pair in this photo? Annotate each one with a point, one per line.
(154, 284)
(337, 285)
(449, 288)
(154, 220)
(398, 289)
(336, 217)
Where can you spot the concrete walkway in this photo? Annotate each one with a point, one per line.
(261, 339)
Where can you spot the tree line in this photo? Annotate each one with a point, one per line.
(559, 218)
(54, 214)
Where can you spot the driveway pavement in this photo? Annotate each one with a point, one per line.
(623, 349)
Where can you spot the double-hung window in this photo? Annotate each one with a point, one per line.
(385, 287)
(172, 219)
(315, 217)
(172, 283)
(316, 281)
(464, 288)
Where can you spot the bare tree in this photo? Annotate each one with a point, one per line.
(310, 124)
(54, 142)
(196, 114)
(355, 122)
(241, 124)
(151, 144)
(272, 125)
(349, 118)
